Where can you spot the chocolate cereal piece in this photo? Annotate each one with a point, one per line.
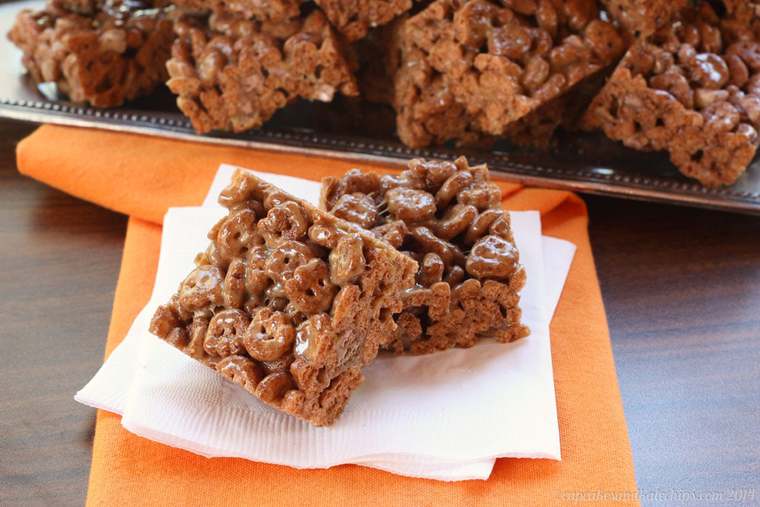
(692, 89)
(104, 59)
(474, 67)
(234, 73)
(353, 18)
(288, 301)
(447, 216)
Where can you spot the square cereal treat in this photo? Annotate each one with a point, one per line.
(273, 11)
(288, 301)
(643, 17)
(234, 73)
(693, 90)
(469, 67)
(447, 216)
(354, 18)
(104, 59)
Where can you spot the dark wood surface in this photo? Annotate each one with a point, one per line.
(681, 287)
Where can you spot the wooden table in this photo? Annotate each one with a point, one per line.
(681, 287)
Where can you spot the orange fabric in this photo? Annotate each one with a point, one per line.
(143, 176)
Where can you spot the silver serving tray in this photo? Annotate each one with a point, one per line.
(586, 163)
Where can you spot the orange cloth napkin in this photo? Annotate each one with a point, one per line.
(143, 176)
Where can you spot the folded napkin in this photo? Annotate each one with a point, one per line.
(144, 176)
(179, 402)
(493, 378)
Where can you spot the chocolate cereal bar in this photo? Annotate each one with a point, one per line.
(288, 301)
(693, 90)
(468, 68)
(447, 216)
(233, 73)
(116, 54)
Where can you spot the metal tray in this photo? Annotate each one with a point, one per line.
(581, 162)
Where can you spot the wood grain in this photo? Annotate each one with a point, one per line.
(682, 292)
(60, 258)
(681, 287)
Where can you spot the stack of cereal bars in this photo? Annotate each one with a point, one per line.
(664, 75)
(291, 301)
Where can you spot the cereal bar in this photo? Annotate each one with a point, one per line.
(234, 73)
(470, 67)
(104, 59)
(288, 301)
(447, 216)
(692, 89)
(353, 18)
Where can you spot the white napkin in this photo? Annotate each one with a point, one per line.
(444, 416)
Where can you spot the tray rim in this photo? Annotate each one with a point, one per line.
(176, 128)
